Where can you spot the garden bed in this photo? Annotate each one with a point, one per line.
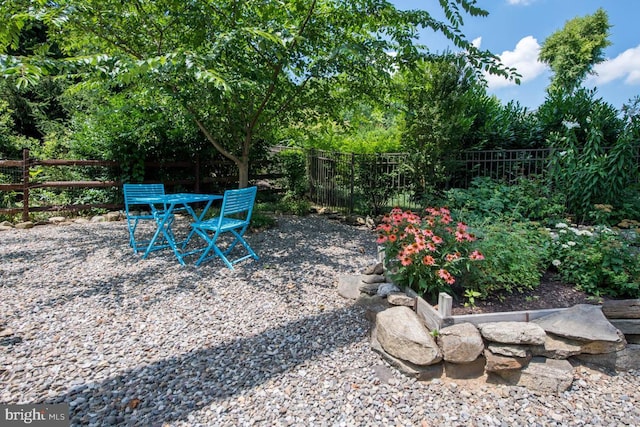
(551, 293)
(623, 314)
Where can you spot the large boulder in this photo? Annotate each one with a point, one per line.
(402, 335)
(586, 326)
(460, 343)
(513, 333)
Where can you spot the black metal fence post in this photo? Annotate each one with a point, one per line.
(352, 183)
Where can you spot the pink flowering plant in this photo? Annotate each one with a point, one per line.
(427, 253)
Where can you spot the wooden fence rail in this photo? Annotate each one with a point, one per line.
(18, 176)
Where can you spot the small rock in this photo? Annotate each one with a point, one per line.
(400, 298)
(498, 363)
(24, 225)
(369, 288)
(113, 216)
(349, 286)
(374, 269)
(513, 332)
(386, 288)
(374, 278)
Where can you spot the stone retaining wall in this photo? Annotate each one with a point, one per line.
(537, 351)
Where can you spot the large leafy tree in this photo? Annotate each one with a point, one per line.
(439, 100)
(573, 51)
(241, 69)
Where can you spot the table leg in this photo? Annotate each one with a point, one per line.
(163, 227)
(197, 219)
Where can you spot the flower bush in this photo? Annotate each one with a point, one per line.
(427, 253)
(517, 256)
(597, 260)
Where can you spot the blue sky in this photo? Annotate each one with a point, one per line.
(515, 29)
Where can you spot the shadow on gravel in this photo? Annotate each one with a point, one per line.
(155, 394)
(294, 253)
(96, 263)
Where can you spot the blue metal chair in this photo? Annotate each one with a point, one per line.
(234, 218)
(133, 193)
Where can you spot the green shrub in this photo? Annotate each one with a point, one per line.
(287, 204)
(294, 167)
(598, 260)
(376, 180)
(627, 209)
(529, 199)
(515, 259)
(591, 168)
(292, 205)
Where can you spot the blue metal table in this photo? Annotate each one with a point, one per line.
(164, 207)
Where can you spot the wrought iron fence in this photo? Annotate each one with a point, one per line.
(373, 182)
(358, 182)
(347, 182)
(506, 165)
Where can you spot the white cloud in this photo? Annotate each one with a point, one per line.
(524, 58)
(520, 2)
(476, 42)
(624, 66)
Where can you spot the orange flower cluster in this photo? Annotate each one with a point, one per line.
(432, 241)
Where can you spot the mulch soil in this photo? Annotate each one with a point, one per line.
(552, 293)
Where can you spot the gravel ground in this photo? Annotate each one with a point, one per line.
(127, 341)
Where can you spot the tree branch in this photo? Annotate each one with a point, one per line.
(208, 134)
(278, 69)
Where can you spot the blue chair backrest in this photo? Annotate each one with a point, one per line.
(239, 201)
(132, 191)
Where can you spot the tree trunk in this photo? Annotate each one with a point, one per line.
(243, 172)
(241, 162)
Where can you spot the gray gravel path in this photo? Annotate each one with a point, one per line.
(127, 341)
